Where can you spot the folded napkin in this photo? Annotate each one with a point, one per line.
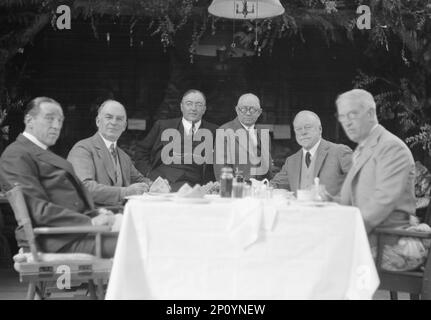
(270, 209)
(247, 220)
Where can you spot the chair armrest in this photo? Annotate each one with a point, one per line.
(72, 230)
(401, 232)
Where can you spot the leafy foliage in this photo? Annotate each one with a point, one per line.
(405, 97)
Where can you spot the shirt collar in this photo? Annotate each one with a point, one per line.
(361, 144)
(107, 142)
(33, 139)
(247, 128)
(313, 149)
(188, 125)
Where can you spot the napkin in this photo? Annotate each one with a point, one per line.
(246, 221)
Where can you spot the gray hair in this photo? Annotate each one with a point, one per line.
(360, 96)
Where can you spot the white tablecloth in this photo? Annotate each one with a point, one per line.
(170, 250)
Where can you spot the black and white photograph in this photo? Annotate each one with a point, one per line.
(213, 157)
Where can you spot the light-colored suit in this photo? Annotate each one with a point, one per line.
(381, 182)
(92, 163)
(333, 161)
(232, 149)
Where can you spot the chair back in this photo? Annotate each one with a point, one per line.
(16, 200)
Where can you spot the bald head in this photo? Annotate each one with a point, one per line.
(111, 120)
(248, 109)
(308, 129)
(309, 115)
(249, 99)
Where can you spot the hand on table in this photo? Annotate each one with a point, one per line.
(137, 188)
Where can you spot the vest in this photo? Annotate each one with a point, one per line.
(307, 174)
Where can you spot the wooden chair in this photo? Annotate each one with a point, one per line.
(417, 283)
(43, 269)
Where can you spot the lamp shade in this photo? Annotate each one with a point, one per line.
(246, 9)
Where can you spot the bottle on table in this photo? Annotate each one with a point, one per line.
(238, 184)
(226, 178)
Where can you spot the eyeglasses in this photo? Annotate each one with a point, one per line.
(352, 115)
(251, 109)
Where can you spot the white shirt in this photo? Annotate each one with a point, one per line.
(108, 143)
(33, 139)
(312, 150)
(251, 128)
(188, 125)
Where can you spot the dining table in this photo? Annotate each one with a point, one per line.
(213, 248)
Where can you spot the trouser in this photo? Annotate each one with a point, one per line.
(87, 244)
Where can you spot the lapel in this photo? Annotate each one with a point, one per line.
(365, 155)
(57, 161)
(47, 156)
(180, 127)
(236, 125)
(125, 168)
(104, 156)
(321, 153)
(296, 171)
(263, 148)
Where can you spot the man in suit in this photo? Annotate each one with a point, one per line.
(154, 162)
(318, 157)
(54, 195)
(242, 146)
(381, 180)
(106, 170)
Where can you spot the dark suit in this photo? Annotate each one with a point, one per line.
(150, 160)
(54, 195)
(333, 161)
(93, 165)
(231, 156)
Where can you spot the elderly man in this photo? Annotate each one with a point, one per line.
(105, 169)
(318, 157)
(244, 148)
(150, 152)
(381, 180)
(54, 195)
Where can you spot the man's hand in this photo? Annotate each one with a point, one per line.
(137, 188)
(104, 218)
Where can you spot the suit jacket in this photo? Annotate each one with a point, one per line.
(333, 161)
(149, 151)
(54, 195)
(232, 150)
(93, 165)
(381, 182)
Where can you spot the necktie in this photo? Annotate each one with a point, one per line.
(193, 129)
(113, 154)
(308, 159)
